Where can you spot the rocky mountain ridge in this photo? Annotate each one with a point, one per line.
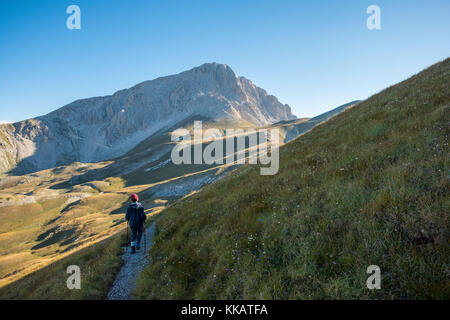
(102, 128)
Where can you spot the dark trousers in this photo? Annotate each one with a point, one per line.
(136, 236)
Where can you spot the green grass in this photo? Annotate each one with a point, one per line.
(98, 263)
(35, 234)
(28, 216)
(370, 186)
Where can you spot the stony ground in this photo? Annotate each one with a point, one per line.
(125, 281)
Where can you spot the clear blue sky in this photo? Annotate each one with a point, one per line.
(313, 55)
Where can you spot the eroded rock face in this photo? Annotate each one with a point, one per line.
(101, 128)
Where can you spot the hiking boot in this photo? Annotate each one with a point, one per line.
(133, 250)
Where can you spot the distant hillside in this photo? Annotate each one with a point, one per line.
(103, 128)
(368, 187)
(293, 128)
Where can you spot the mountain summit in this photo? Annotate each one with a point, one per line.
(101, 128)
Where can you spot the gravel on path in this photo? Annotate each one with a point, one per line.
(125, 282)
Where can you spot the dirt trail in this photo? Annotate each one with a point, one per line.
(125, 281)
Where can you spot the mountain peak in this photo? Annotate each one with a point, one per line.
(95, 129)
(213, 66)
(216, 69)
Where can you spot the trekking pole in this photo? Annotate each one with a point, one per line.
(145, 239)
(128, 238)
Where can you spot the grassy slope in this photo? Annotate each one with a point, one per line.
(33, 235)
(368, 187)
(36, 234)
(98, 263)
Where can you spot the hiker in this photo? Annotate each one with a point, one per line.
(136, 218)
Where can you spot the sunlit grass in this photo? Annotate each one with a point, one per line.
(368, 187)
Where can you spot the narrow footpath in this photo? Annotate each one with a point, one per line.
(125, 282)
